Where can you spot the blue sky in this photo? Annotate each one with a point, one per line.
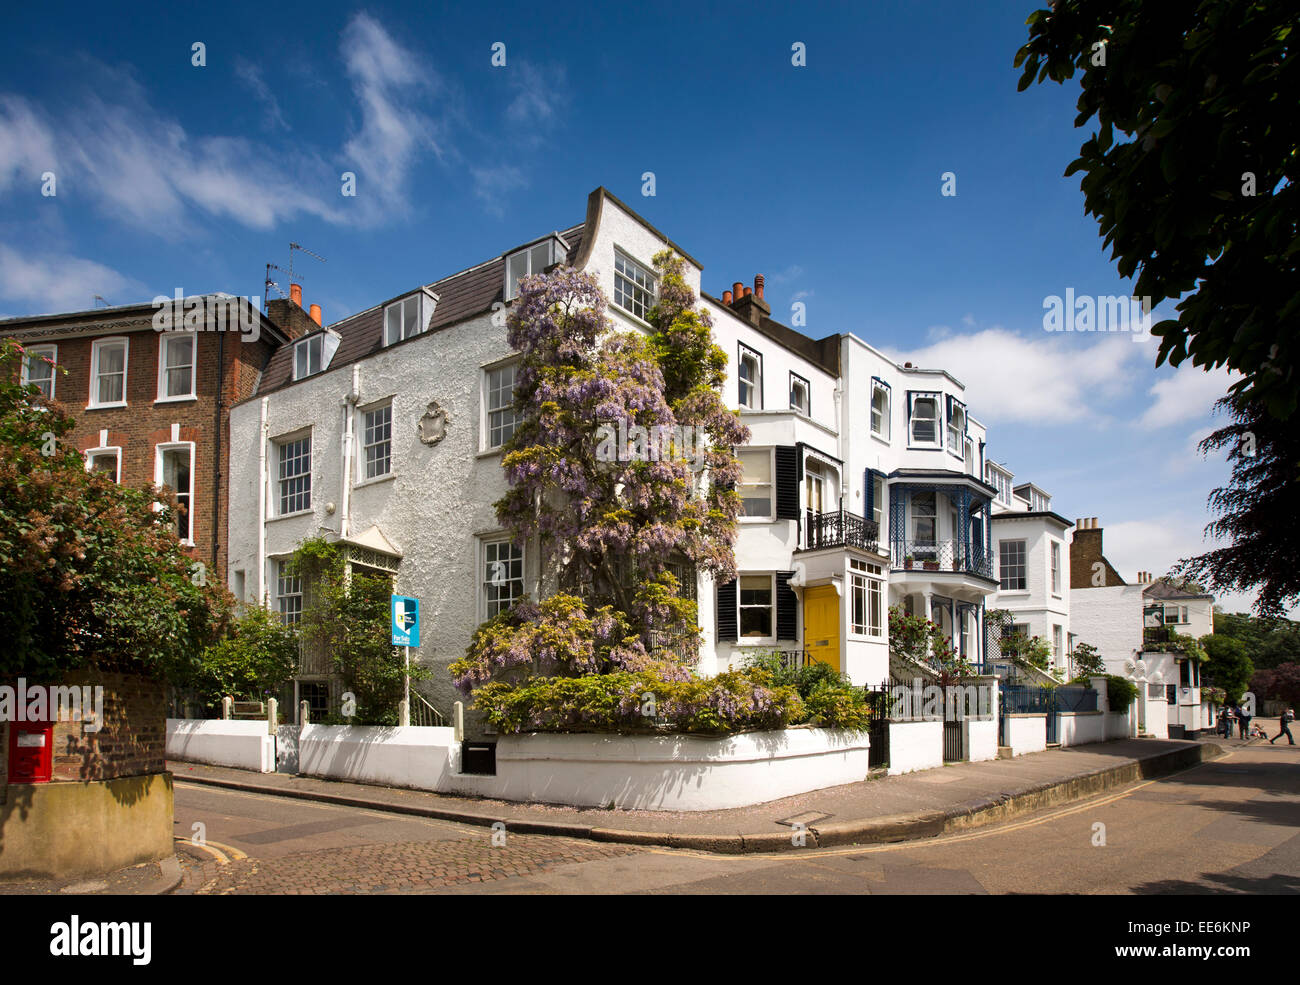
(825, 177)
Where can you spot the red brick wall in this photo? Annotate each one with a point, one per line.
(145, 423)
(133, 740)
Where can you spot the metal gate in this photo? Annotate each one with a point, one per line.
(881, 704)
(954, 750)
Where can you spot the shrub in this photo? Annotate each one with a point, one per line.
(258, 657)
(641, 701)
(1120, 693)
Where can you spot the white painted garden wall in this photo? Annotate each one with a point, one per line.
(420, 758)
(915, 746)
(671, 772)
(1026, 733)
(1078, 728)
(981, 739)
(242, 745)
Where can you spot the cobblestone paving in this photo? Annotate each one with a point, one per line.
(404, 867)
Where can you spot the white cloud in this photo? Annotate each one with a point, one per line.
(1050, 380)
(53, 283)
(491, 185)
(540, 93)
(1187, 396)
(251, 76)
(26, 145)
(387, 79)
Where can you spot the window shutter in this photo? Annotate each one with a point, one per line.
(868, 494)
(787, 482)
(948, 401)
(728, 630)
(787, 608)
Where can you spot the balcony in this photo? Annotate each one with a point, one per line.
(839, 529)
(942, 555)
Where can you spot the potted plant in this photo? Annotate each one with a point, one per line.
(908, 562)
(931, 565)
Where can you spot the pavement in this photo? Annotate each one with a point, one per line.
(918, 805)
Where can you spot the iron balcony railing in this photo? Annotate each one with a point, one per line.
(1158, 634)
(840, 529)
(941, 555)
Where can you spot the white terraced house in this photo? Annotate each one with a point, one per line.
(863, 483)
(1031, 545)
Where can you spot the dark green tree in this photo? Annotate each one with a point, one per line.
(1190, 168)
(1228, 665)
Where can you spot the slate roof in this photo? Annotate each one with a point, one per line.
(1159, 590)
(461, 296)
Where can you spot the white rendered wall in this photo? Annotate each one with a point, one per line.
(981, 739)
(915, 746)
(1077, 728)
(1026, 733)
(239, 744)
(669, 773)
(412, 757)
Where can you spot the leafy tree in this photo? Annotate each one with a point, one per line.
(256, 659)
(1265, 485)
(346, 617)
(1088, 661)
(1191, 168)
(1282, 683)
(91, 572)
(1227, 665)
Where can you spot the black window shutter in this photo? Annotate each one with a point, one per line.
(727, 628)
(787, 482)
(787, 608)
(869, 494)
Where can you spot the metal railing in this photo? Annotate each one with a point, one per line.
(941, 555)
(840, 529)
(423, 713)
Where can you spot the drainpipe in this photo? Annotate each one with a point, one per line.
(262, 480)
(216, 452)
(349, 412)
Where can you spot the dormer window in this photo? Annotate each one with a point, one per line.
(408, 317)
(532, 260)
(313, 354)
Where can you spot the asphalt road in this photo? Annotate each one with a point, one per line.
(1227, 826)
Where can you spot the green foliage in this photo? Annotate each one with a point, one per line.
(922, 641)
(1191, 168)
(829, 699)
(1189, 646)
(348, 620)
(256, 659)
(1216, 696)
(643, 701)
(1268, 641)
(1227, 665)
(1027, 651)
(91, 572)
(1087, 661)
(1120, 693)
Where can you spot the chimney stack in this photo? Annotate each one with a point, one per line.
(748, 302)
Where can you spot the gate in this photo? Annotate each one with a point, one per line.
(880, 702)
(953, 747)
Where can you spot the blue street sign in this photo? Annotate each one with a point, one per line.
(406, 621)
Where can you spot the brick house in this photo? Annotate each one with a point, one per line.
(152, 402)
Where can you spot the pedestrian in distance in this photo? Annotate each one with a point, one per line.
(1225, 721)
(1287, 717)
(1243, 722)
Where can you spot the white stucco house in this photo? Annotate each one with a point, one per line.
(863, 481)
(1124, 621)
(1031, 546)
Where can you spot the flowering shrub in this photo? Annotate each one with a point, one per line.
(640, 702)
(922, 641)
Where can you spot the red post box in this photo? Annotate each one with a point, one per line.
(31, 752)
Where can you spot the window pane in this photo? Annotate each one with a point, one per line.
(503, 575)
(392, 324)
(410, 317)
(634, 286)
(112, 374)
(377, 441)
(500, 405)
(295, 475)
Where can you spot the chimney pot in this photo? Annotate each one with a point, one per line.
(907, 365)
(726, 298)
(295, 294)
(748, 291)
(315, 313)
(758, 285)
(737, 289)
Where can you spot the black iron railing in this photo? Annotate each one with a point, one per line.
(941, 555)
(1158, 634)
(839, 529)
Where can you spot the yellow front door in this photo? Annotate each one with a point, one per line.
(821, 624)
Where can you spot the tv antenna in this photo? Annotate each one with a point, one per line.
(293, 278)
